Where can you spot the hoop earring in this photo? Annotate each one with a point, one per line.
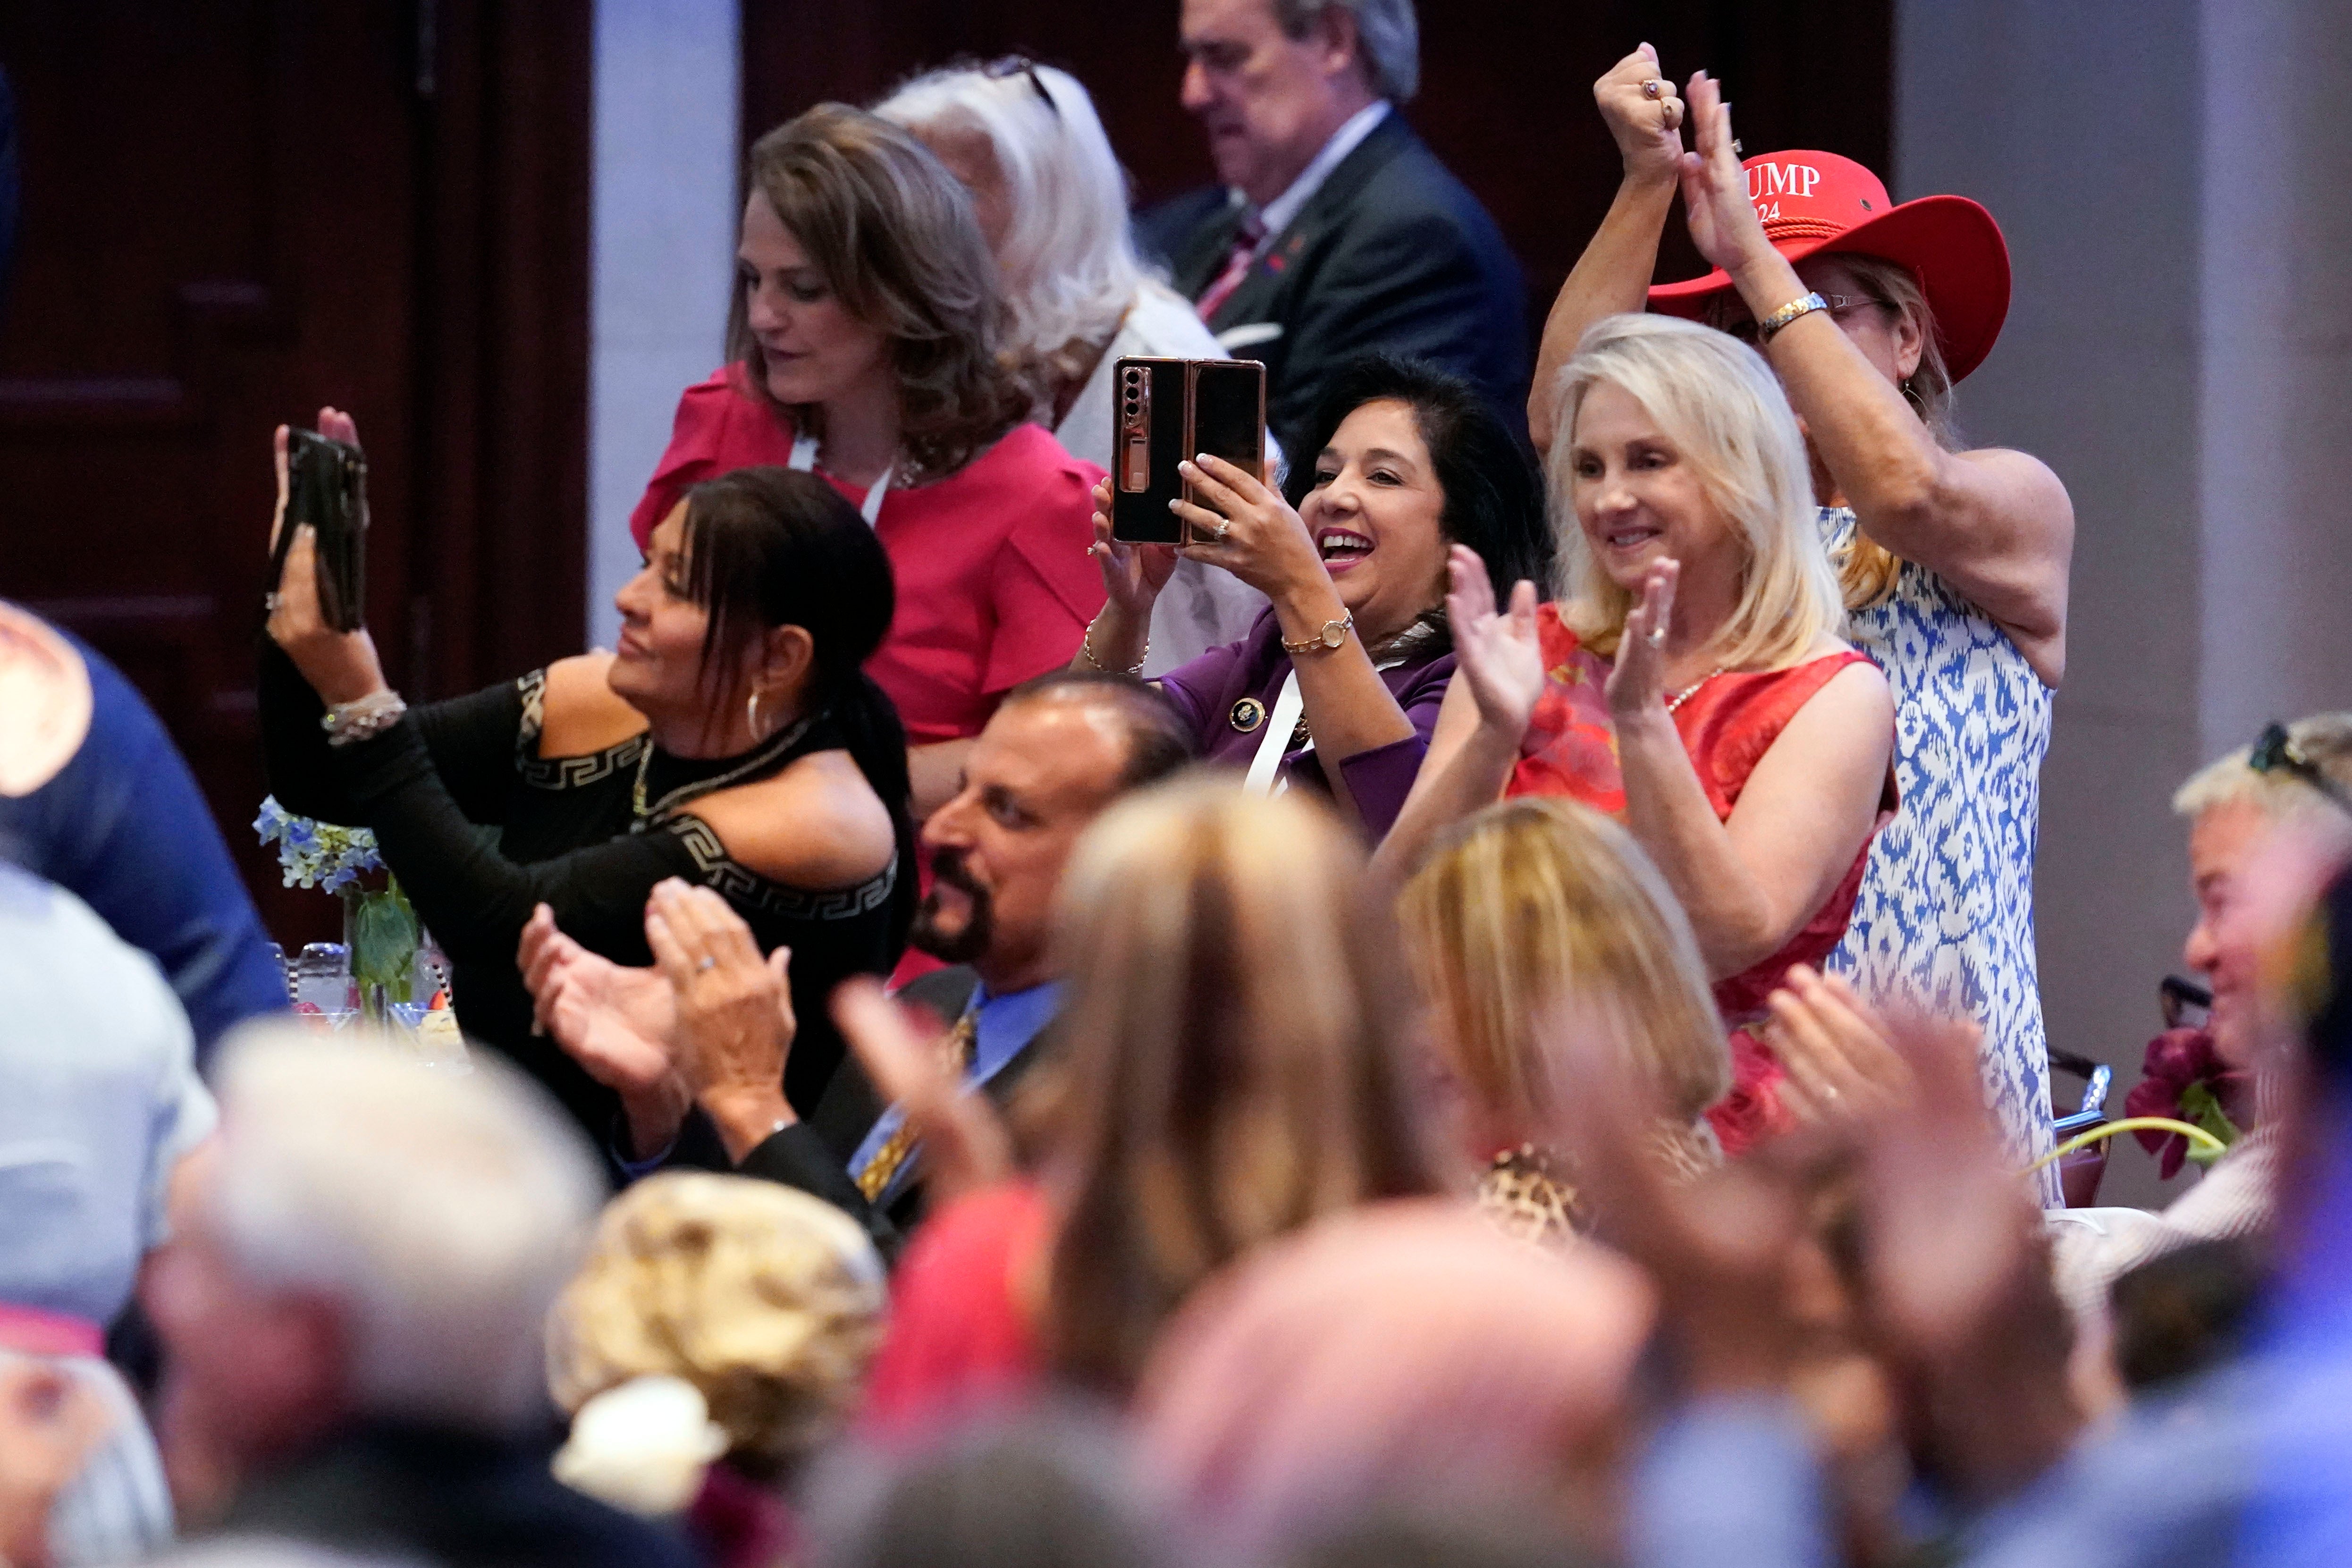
(1909, 388)
(751, 716)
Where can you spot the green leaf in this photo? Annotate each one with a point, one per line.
(2199, 1106)
(383, 942)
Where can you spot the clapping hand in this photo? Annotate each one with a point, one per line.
(342, 667)
(1500, 653)
(1643, 114)
(735, 1021)
(1841, 1060)
(613, 1020)
(1637, 682)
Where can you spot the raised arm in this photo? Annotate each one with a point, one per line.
(1638, 102)
(1996, 524)
(1749, 883)
(1498, 674)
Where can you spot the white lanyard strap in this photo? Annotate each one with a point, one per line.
(805, 459)
(1279, 727)
(1284, 723)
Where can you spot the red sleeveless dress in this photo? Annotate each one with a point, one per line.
(1726, 726)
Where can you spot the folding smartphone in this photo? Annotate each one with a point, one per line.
(1169, 410)
(326, 487)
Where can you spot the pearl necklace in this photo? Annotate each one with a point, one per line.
(1684, 695)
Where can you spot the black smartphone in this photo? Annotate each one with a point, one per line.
(326, 487)
(1169, 410)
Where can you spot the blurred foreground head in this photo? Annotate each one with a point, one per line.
(1405, 1355)
(1045, 1491)
(768, 1301)
(374, 1240)
(1237, 1035)
(1538, 909)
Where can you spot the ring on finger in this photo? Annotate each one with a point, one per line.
(709, 962)
(1658, 636)
(1736, 150)
(269, 603)
(1650, 88)
(1219, 530)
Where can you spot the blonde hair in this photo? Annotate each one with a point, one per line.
(1067, 260)
(1539, 904)
(768, 1300)
(2324, 740)
(1237, 1054)
(1717, 401)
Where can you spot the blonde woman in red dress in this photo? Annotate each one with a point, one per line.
(1688, 679)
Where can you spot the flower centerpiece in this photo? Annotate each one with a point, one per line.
(2188, 1081)
(380, 929)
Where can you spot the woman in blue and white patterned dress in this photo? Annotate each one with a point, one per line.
(1954, 562)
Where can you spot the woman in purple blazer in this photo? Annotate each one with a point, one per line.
(1337, 684)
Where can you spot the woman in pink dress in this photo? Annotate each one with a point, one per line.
(866, 343)
(1688, 679)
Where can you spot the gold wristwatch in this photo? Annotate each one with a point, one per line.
(1326, 640)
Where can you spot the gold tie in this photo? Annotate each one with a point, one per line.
(955, 1055)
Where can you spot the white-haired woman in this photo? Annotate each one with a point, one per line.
(1052, 201)
(1689, 679)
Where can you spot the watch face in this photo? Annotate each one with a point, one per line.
(1334, 633)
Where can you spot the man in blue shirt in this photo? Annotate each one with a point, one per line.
(1060, 751)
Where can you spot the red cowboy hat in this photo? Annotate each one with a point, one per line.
(1813, 202)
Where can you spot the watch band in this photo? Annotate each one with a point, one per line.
(1326, 640)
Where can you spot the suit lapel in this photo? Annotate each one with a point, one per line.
(1260, 296)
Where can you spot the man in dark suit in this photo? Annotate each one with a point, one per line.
(1060, 751)
(1334, 230)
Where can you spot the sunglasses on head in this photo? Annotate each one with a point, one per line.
(2277, 752)
(1021, 65)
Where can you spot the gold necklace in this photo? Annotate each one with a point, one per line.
(1679, 698)
(785, 739)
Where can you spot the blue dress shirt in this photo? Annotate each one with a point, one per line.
(1003, 1028)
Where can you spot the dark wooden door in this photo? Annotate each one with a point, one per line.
(233, 213)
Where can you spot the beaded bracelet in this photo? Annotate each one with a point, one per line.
(348, 723)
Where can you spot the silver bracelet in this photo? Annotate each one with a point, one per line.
(348, 723)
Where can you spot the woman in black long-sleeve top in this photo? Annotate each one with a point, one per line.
(733, 740)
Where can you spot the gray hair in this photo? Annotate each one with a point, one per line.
(2324, 740)
(1067, 260)
(441, 1213)
(1386, 31)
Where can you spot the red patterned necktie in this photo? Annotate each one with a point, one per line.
(1237, 266)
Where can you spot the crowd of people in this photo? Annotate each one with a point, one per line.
(1480, 1011)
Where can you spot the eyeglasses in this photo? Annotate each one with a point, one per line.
(2277, 752)
(1021, 65)
(2184, 1003)
(1841, 306)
